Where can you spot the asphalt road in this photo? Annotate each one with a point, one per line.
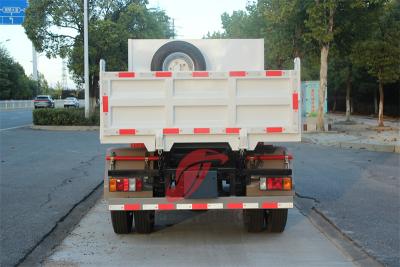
(359, 191)
(44, 173)
(188, 238)
(15, 118)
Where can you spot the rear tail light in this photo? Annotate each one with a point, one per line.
(113, 185)
(279, 183)
(125, 184)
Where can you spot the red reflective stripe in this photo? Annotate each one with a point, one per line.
(127, 131)
(274, 73)
(163, 74)
(295, 101)
(138, 145)
(237, 73)
(126, 74)
(235, 205)
(199, 206)
(269, 205)
(168, 206)
(105, 103)
(132, 158)
(274, 129)
(232, 130)
(200, 74)
(201, 130)
(132, 207)
(171, 131)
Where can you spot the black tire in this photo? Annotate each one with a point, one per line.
(254, 220)
(144, 221)
(276, 220)
(178, 46)
(121, 221)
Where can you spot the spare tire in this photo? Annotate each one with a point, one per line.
(178, 56)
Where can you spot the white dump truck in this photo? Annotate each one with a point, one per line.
(200, 120)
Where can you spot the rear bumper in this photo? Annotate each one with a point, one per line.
(264, 202)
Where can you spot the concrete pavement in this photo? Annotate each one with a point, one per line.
(212, 238)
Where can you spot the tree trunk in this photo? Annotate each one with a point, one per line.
(375, 102)
(94, 94)
(348, 91)
(381, 101)
(323, 80)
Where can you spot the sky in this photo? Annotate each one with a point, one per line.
(193, 19)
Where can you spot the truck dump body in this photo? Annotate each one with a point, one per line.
(162, 108)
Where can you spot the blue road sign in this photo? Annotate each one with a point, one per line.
(12, 12)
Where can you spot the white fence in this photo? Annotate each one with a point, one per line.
(28, 104)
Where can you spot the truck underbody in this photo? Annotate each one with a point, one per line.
(214, 177)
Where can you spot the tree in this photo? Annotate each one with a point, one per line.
(56, 27)
(380, 52)
(320, 25)
(14, 84)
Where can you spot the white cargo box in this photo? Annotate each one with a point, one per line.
(241, 106)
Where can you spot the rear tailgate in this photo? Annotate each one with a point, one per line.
(163, 108)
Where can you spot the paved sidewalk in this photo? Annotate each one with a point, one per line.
(360, 133)
(213, 238)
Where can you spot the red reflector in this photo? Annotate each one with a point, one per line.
(126, 74)
(138, 145)
(120, 184)
(105, 103)
(201, 130)
(171, 131)
(274, 129)
(127, 131)
(126, 185)
(168, 206)
(269, 205)
(237, 73)
(163, 74)
(139, 184)
(199, 206)
(295, 101)
(275, 183)
(232, 130)
(273, 73)
(200, 74)
(132, 207)
(235, 205)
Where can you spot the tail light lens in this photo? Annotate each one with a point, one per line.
(275, 183)
(125, 184)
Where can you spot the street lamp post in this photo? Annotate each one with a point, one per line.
(86, 56)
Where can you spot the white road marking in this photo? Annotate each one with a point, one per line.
(16, 127)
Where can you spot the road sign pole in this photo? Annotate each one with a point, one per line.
(86, 56)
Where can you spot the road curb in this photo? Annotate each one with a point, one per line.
(64, 128)
(355, 145)
(343, 242)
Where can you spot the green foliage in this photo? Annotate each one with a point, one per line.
(56, 27)
(379, 52)
(14, 84)
(64, 116)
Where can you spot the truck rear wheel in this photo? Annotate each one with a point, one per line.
(254, 220)
(144, 221)
(276, 220)
(121, 221)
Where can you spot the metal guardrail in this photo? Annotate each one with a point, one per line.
(28, 104)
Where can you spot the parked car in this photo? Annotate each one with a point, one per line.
(43, 101)
(71, 102)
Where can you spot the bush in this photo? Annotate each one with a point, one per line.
(64, 116)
